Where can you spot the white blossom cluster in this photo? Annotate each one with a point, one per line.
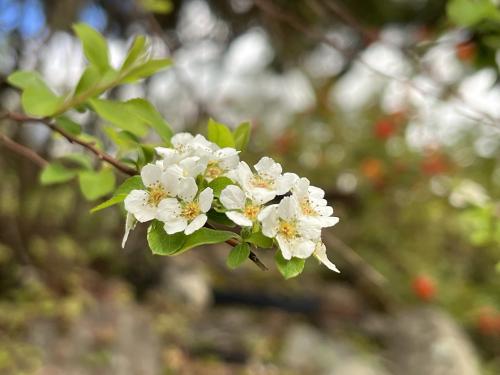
(175, 194)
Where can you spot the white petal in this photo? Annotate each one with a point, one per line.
(300, 188)
(181, 139)
(205, 199)
(239, 219)
(244, 173)
(270, 222)
(320, 254)
(261, 195)
(288, 208)
(136, 204)
(267, 166)
(175, 226)
(266, 211)
(187, 189)
(233, 198)
(192, 166)
(324, 210)
(151, 174)
(169, 209)
(129, 225)
(309, 227)
(285, 183)
(170, 180)
(329, 221)
(196, 224)
(316, 192)
(302, 248)
(285, 247)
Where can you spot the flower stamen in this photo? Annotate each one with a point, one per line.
(156, 194)
(191, 210)
(288, 229)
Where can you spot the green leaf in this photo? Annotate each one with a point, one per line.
(69, 125)
(220, 217)
(238, 255)
(95, 47)
(220, 134)
(131, 183)
(37, 98)
(137, 53)
(157, 6)
(89, 79)
(145, 111)
(289, 268)
(81, 160)
(162, 243)
(95, 184)
(259, 240)
(205, 236)
(242, 135)
(146, 69)
(218, 184)
(55, 173)
(119, 114)
(470, 12)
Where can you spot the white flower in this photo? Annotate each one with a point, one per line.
(320, 254)
(160, 185)
(312, 203)
(296, 237)
(189, 213)
(221, 162)
(191, 166)
(185, 145)
(242, 211)
(264, 185)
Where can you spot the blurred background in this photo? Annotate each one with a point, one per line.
(392, 107)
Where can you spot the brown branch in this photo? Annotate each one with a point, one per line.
(90, 146)
(19, 117)
(23, 151)
(252, 256)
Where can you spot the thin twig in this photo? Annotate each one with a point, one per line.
(252, 256)
(19, 117)
(23, 151)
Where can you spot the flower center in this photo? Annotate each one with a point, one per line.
(307, 209)
(251, 211)
(191, 210)
(288, 229)
(262, 182)
(213, 170)
(156, 194)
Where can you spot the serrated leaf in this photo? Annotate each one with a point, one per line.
(205, 236)
(69, 125)
(23, 79)
(220, 134)
(56, 173)
(149, 114)
(146, 69)
(94, 45)
(289, 268)
(218, 184)
(131, 183)
(242, 135)
(259, 240)
(119, 114)
(96, 184)
(162, 243)
(238, 255)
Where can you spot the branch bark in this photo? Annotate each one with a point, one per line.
(22, 150)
